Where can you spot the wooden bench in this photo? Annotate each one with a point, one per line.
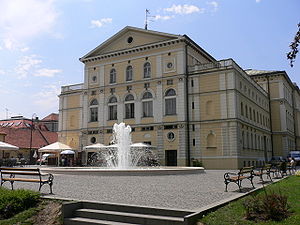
(12, 174)
(279, 169)
(265, 170)
(237, 178)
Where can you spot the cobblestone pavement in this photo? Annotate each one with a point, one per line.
(168, 191)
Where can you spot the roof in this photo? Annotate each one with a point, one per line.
(123, 31)
(21, 137)
(22, 123)
(156, 38)
(252, 72)
(51, 117)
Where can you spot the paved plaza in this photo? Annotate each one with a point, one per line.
(190, 192)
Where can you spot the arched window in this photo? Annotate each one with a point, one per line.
(94, 110)
(170, 102)
(147, 70)
(147, 104)
(211, 140)
(129, 73)
(112, 76)
(129, 106)
(112, 108)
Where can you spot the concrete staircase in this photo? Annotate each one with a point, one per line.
(90, 213)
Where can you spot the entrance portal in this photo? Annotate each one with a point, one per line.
(171, 157)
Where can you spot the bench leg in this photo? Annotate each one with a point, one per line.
(51, 188)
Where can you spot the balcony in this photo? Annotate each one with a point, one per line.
(72, 88)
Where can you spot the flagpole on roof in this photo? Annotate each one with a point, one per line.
(146, 21)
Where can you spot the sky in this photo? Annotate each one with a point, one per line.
(41, 41)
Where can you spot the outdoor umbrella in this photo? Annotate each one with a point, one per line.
(56, 147)
(7, 147)
(67, 152)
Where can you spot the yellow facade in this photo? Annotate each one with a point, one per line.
(203, 119)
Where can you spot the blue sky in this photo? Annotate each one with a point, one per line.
(42, 40)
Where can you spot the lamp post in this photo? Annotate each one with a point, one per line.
(31, 132)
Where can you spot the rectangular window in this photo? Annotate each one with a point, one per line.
(193, 105)
(147, 128)
(112, 112)
(147, 109)
(169, 82)
(194, 142)
(171, 106)
(94, 114)
(192, 83)
(129, 110)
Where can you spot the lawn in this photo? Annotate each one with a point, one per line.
(234, 212)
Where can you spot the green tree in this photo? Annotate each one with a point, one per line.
(294, 47)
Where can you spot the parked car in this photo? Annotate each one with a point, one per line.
(44, 159)
(296, 156)
(276, 159)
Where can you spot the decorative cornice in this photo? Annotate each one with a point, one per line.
(132, 50)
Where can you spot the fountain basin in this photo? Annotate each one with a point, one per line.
(138, 171)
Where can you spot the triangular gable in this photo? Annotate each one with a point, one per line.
(122, 40)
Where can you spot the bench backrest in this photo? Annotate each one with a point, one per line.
(19, 169)
(245, 170)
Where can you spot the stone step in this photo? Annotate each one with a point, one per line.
(136, 209)
(87, 221)
(128, 217)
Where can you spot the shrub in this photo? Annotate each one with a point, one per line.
(272, 206)
(197, 163)
(13, 202)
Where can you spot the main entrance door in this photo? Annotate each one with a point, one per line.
(171, 157)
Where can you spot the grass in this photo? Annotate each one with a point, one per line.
(22, 218)
(234, 213)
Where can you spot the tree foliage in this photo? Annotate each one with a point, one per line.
(294, 47)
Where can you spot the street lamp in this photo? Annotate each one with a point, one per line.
(31, 130)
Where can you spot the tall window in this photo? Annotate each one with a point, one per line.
(129, 107)
(129, 72)
(94, 110)
(112, 108)
(112, 76)
(242, 109)
(147, 104)
(147, 70)
(170, 102)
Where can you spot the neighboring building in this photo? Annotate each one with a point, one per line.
(29, 135)
(285, 109)
(51, 122)
(2, 136)
(174, 95)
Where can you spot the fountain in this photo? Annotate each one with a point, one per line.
(123, 154)
(123, 158)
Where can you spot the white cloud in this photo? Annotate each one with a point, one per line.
(101, 22)
(26, 64)
(214, 5)
(47, 98)
(2, 72)
(159, 17)
(46, 72)
(22, 20)
(184, 9)
(25, 49)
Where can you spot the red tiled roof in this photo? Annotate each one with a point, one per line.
(21, 124)
(51, 117)
(21, 137)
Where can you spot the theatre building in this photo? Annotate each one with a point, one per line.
(175, 96)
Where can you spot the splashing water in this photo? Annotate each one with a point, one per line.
(122, 154)
(122, 138)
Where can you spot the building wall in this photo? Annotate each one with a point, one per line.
(222, 110)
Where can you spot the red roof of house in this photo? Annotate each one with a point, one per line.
(51, 117)
(21, 137)
(22, 123)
